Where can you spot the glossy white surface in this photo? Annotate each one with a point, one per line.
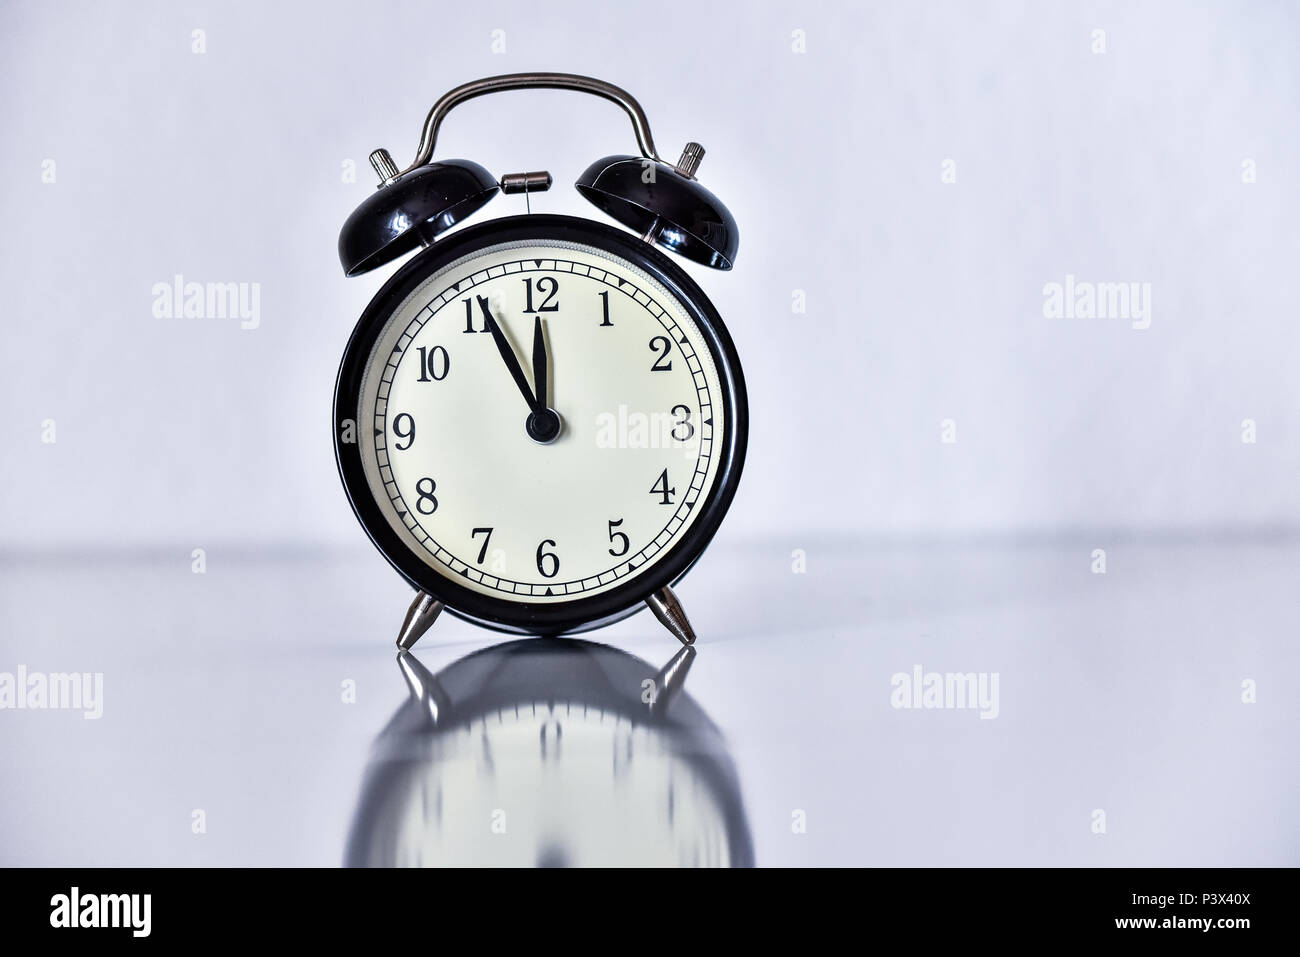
(1122, 692)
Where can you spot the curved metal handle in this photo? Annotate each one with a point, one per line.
(533, 81)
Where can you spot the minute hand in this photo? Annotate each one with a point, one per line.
(508, 354)
(539, 365)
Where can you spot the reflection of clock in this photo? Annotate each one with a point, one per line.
(550, 752)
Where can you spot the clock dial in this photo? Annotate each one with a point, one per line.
(541, 421)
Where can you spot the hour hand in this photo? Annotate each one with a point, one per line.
(507, 353)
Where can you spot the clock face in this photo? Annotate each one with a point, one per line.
(542, 420)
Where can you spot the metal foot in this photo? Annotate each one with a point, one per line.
(669, 611)
(422, 613)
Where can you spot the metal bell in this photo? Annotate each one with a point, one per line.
(665, 204)
(410, 209)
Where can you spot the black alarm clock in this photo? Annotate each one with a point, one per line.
(540, 420)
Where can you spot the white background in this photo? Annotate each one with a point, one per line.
(924, 299)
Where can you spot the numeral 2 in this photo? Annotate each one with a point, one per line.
(663, 346)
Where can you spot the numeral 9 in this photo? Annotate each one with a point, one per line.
(404, 431)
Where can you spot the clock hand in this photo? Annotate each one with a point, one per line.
(507, 353)
(542, 425)
(539, 366)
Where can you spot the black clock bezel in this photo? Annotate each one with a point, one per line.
(582, 613)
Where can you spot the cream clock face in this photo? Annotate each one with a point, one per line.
(544, 506)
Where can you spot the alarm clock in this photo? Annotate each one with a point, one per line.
(549, 752)
(540, 420)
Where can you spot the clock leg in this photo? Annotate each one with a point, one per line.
(422, 613)
(669, 611)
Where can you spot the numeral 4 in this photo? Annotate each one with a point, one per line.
(661, 488)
